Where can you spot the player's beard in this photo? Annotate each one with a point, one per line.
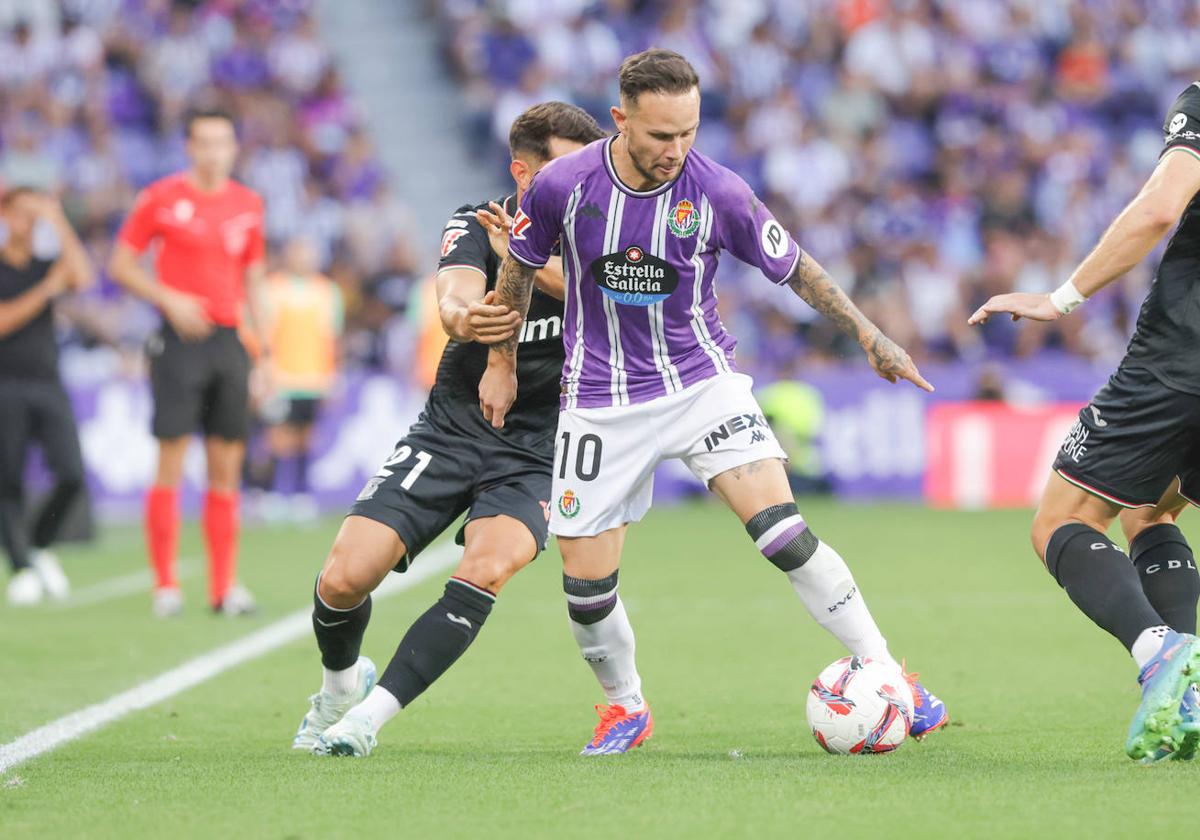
(646, 172)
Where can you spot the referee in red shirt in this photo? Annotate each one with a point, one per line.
(209, 232)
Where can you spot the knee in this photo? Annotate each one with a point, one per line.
(492, 567)
(1134, 526)
(342, 586)
(1044, 527)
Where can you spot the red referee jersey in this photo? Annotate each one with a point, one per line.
(206, 240)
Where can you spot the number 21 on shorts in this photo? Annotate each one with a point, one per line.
(586, 459)
(399, 456)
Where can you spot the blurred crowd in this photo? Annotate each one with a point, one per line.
(930, 153)
(91, 98)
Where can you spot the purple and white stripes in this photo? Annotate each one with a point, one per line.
(589, 601)
(780, 534)
(783, 537)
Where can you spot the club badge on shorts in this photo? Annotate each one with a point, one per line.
(684, 219)
(568, 504)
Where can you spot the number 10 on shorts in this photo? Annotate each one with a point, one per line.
(398, 457)
(588, 452)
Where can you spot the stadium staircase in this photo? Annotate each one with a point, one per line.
(388, 55)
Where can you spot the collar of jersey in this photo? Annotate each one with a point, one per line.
(625, 188)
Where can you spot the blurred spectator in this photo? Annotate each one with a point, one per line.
(91, 97)
(929, 152)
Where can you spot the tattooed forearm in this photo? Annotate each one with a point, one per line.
(514, 286)
(816, 288)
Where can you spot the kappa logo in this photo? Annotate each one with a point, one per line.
(732, 426)
(684, 220)
(591, 211)
(758, 437)
(520, 224)
(450, 239)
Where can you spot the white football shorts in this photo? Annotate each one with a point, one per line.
(604, 458)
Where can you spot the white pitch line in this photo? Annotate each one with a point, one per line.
(119, 587)
(198, 670)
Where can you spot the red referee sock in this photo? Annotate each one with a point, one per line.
(162, 533)
(221, 533)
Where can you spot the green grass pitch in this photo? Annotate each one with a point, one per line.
(1039, 699)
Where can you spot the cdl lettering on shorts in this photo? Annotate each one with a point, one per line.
(634, 278)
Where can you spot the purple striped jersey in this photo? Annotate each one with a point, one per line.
(641, 316)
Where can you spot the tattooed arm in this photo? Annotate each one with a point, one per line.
(498, 387)
(816, 288)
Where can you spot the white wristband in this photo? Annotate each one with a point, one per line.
(1066, 297)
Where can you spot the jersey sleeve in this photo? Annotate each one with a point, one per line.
(1181, 129)
(465, 243)
(749, 231)
(140, 225)
(538, 223)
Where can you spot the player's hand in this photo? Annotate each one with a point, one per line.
(1018, 305)
(262, 381)
(497, 391)
(488, 323)
(186, 315)
(497, 223)
(891, 362)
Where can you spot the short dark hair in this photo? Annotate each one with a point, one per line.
(205, 113)
(531, 132)
(656, 71)
(11, 195)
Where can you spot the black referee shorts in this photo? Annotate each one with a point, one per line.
(199, 385)
(434, 475)
(1133, 439)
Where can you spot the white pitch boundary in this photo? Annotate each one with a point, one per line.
(119, 587)
(202, 668)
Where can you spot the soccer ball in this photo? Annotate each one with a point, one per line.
(859, 706)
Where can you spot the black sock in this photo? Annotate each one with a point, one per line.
(1165, 563)
(339, 632)
(1101, 581)
(437, 639)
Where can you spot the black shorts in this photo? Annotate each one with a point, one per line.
(199, 386)
(302, 411)
(1133, 439)
(434, 475)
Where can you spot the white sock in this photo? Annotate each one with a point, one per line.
(608, 646)
(340, 683)
(379, 706)
(829, 592)
(1147, 644)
